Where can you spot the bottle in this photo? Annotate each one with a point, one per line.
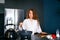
(57, 34)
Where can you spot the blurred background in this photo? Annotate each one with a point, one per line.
(2, 2)
(48, 12)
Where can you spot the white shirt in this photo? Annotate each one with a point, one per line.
(31, 26)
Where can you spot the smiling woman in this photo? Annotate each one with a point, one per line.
(31, 22)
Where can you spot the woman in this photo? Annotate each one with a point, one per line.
(31, 23)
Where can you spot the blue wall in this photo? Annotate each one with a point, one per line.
(51, 15)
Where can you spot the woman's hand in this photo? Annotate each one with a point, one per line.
(44, 33)
(20, 24)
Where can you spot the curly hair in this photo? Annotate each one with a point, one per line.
(35, 17)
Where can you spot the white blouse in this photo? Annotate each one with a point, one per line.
(31, 26)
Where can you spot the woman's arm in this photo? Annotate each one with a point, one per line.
(39, 30)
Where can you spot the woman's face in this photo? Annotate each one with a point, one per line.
(30, 14)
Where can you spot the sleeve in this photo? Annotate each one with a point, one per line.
(39, 30)
(24, 25)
